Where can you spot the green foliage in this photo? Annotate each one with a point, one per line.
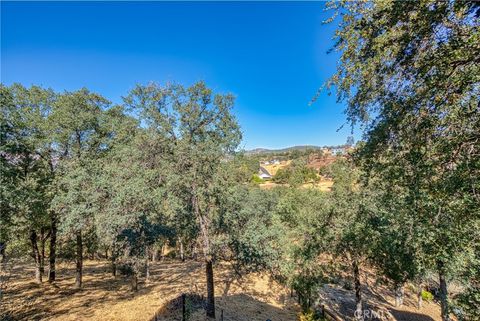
(468, 303)
(250, 229)
(163, 167)
(25, 170)
(282, 176)
(427, 296)
(295, 175)
(306, 285)
(244, 167)
(309, 315)
(409, 72)
(305, 215)
(193, 130)
(18, 247)
(256, 179)
(66, 250)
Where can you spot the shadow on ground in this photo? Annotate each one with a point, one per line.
(409, 316)
(237, 307)
(31, 301)
(104, 297)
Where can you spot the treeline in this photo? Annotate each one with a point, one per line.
(122, 178)
(81, 176)
(296, 174)
(162, 167)
(409, 74)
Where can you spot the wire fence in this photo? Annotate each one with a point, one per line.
(183, 306)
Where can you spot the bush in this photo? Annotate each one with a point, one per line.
(348, 285)
(256, 179)
(295, 175)
(468, 304)
(282, 176)
(309, 315)
(427, 296)
(125, 269)
(306, 285)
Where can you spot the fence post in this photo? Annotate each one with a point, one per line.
(184, 314)
(221, 315)
(323, 310)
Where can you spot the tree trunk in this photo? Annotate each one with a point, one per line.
(443, 292)
(113, 260)
(147, 265)
(114, 265)
(204, 225)
(3, 247)
(399, 294)
(53, 249)
(79, 261)
(147, 272)
(210, 290)
(182, 254)
(419, 296)
(134, 280)
(358, 292)
(162, 252)
(154, 254)
(194, 252)
(42, 251)
(3, 262)
(36, 256)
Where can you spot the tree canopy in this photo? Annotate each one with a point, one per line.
(409, 74)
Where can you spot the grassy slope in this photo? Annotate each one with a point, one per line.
(251, 298)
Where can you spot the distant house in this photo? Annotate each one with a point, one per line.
(263, 173)
(338, 151)
(276, 162)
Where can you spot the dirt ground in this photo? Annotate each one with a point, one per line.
(107, 298)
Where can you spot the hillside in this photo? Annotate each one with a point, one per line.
(282, 150)
(253, 297)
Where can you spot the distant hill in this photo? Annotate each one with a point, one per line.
(282, 150)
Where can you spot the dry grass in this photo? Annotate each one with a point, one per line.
(272, 169)
(323, 185)
(253, 297)
(269, 185)
(106, 298)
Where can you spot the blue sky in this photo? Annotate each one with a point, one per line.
(271, 55)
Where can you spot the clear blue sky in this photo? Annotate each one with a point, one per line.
(272, 56)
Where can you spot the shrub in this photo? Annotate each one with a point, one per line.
(468, 304)
(348, 285)
(295, 175)
(309, 315)
(256, 179)
(125, 269)
(427, 296)
(282, 176)
(305, 284)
